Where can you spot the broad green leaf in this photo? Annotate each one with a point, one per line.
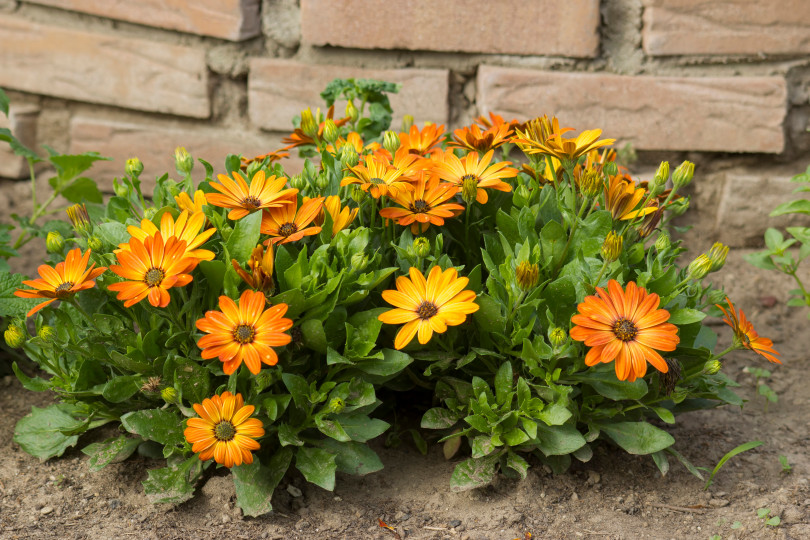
(298, 387)
(558, 440)
(482, 446)
(517, 464)
(555, 414)
(664, 414)
(159, 425)
(353, 457)
(473, 473)
(120, 389)
(638, 437)
(438, 418)
(561, 298)
(685, 316)
(503, 382)
(515, 437)
(4, 101)
(798, 206)
(314, 335)
(331, 428)
(255, 483)
(82, 190)
(193, 379)
(362, 330)
(113, 233)
(318, 466)
(245, 237)
(69, 167)
(35, 384)
(360, 427)
(606, 384)
(489, 315)
(112, 450)
(40, 433)
(661, 461)
(391, 363)
(173, 484)
(10, 305)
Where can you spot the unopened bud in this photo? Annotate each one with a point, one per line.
(407, 122)
(590, 183)
(712, 367)
(14, 336)
(46, 333)
(183, 161)
(527, 275)
(662, 174)
(662, 243)
(698, 268)
(133, 167)
(252, 168)
(308, 124)
(79, 218)
(612, 247)
(557, 336)
(718, 254)
(54, 242)
(683, 174)
(352, 112)
(322, 181)
(95, 243)
(330, 131)
(421, 247)
(348, 156)
(469, 188)
(358, 195)
(297, 182)
(169, 395)
(716, 297)
(359, 261)
(336, 405)
(610, 168)
(391, 142)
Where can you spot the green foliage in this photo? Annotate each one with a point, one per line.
(730, 454)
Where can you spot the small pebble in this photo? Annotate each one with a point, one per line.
(46, 510)
(718, 503)
(294, 491)
(455, 523)
(225, 518)
(574, 497)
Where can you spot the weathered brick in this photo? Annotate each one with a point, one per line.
(279, 89)
(723, 114)
(22, 121)
(234, 20)
(673, 27)
(544, 27)
(154, 144)
(103, 68)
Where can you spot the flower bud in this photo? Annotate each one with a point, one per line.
(15, 336)
(590, 183)
(54, 242)
(252, 168)
(308, 124)
(133, 167)
(348, 156)
(612, 247)
(683, 174)
(662, 243)
(718, 254)
(407, 122)
(359, 261)
(610, 168)
(120, 188)
(330, 131)
(557, 336)
(716, 297)
(150, 212)
(297, 182)
(391, 142)
(322, 181)
(698, 268)
(421, 247)
(358, 195)
(79, 218)
(527, 275)
(352, 112)
(662, 174)
(95, 243)
(336, 405)
(183, 161)
(46, 333)
(712, 367)
(469, 188)
(169, 395)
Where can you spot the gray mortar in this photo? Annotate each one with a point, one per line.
(620, 33)
(281, 25)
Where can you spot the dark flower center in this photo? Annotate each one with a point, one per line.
(469, 179)
(154, 276)
(64, 288)
(419, 206)
(251, 202)
(244, 333)
(426, 310)
(287, 229)
(376, 180)
(224, 431)
(625, 330)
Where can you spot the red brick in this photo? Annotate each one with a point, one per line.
(673, 27)
(103, 68)
(234, 20)
(539, 27)
(154, 144)
(22, 121)
(722, 114)
(280, 89)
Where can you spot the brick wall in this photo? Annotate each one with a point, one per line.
(726, 84)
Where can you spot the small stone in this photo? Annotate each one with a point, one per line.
(574, 497)
(455, 523)
(718, 503)
(336, 499)
(401, 516)
(594, 477)
(294, 491)
(225, 518)
(46, 510)
(114, 503)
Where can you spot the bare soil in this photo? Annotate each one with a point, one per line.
(613, 496)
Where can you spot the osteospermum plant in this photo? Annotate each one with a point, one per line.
(516, 288)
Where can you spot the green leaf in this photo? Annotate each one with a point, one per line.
(738, 450)
(561, 298)
(664, 414)
(362, 330)
(193, 379)
(69, 167)
(554, 415)
(314, 335)
(299, 389)
(35, 384)
(515, 437)
(40, 433)
(245, 237)
(82, 190)
(391, 363)
(353, 457)
(473, 473)
(503, 382)
(4, 102)
(10, 305)
(552, 240)
(360, 427)
(798, 206)
(438, 418)
(331, 428)
(661, 461)
(517, 464)
(255, 483)
(638, 437)
(112, 450)
(559, 440)
(173, 484)
(113, 233)
(489, 316)
(606, 384)
(159, 425)
(318, 466)
(128, 363)
(685, 316)
(120, 389)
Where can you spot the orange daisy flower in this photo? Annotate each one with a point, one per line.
(622, 196)
(224, 431)
(299, 138)
(474, 176)
(341, 217)
(289, 223)
(425, 205)
(185, 228)
(184, 201)
(495, 120)
(62, 281)
(472, 138)
(421, 142)
(379, 177)
(625, 326)
(745, 335)
(547, 139)
(152, 268)
(427, 306)
(244, 332)
(243, 199)
(261, 265)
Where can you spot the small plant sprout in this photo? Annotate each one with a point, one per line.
(739, 450)
(786, 468)
(765, 515)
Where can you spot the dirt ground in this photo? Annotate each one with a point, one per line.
(614, 496)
